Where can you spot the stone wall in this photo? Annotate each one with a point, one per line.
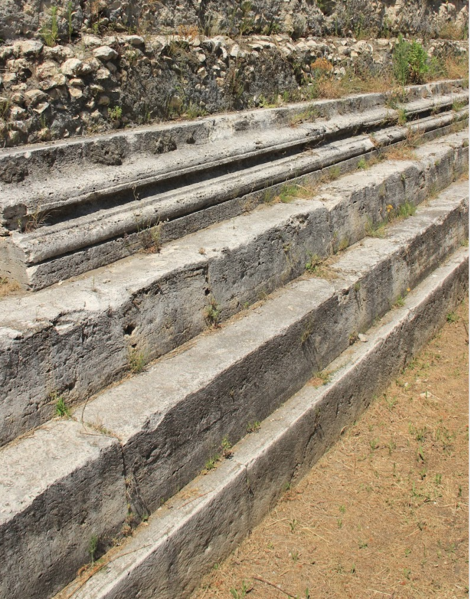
(104, 83)
(298, 18)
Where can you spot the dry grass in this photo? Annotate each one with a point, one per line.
(8, 287)
(385, 512)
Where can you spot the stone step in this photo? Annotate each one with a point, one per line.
(183, 191)
(209, 518)
(44, 162)
(138, 442)
(73, 339)
(170, 418)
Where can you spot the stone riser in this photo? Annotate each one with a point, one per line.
(75, 339)
(186, 537)
(170, 419)
(71, 477)
(55, 253)
(42, 160)
(74, 243)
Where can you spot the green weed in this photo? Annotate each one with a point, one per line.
(50, 31)
(61, 408)
(92, 547)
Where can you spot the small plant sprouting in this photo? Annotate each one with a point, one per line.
(211, 462)
(92, 547)
(239, 594)
(313, 264)
(115, 113)
(50, 31)
(253, 427)
(212, 313)
(452, 317)
(224, 451)
(137, 360)
(226, 448)
(362, 164)
(61, 408)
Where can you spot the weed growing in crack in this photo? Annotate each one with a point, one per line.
(93, 547)
(253, 427)
(61, 408)
(212, 313)
(137, 360)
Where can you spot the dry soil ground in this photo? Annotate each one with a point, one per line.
(385, 512)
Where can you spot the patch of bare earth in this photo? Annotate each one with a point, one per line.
(384, 514)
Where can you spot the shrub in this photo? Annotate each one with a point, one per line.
(410, 62)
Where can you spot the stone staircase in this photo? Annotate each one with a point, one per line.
(171, 309)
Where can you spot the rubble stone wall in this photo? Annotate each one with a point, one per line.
(299, 18)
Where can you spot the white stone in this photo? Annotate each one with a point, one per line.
(72, 67)
(105, 53)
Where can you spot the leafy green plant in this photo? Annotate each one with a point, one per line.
(313, 264)
(410, 62)
(115, 113)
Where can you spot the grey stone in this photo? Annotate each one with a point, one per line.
(184, 538)
(185, 404)
(108, 309)
(59, 487)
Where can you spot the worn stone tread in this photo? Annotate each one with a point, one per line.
(59, 486)
(168, 418)
(52, 341)
(203, 523)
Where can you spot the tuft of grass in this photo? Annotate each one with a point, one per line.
(137, 360)
(239, 594)
(399, 302)
(193, 111)
(406, 209)
(375, 229)
(362, 164)
(253, 427)
(308, 115)
(61, 408)
(93, 547)
(402, 116)
(50, 30)
(321, 377)
(212, 313)
(7, 287)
